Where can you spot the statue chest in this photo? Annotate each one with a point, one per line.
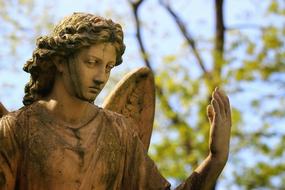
(58, 156)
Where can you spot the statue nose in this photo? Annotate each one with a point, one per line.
(99, 78)
(99, 74)
(98, 82)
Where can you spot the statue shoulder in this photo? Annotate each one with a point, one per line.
(15, 119)
(111, 114)
(119, 121)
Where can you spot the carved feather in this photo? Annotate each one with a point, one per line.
(134, 97)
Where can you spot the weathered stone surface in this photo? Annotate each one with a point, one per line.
(134, 97)
(42, 153)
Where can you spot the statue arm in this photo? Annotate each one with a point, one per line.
(9, 154)
(205, 175)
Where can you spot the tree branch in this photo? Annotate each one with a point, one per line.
(219, 36)
(187, 36)
(135, 7)
(173, 116)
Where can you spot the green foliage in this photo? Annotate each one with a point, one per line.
(22, 23)
(248, 59)
(273, 7)
(271, 39)
(181, 121)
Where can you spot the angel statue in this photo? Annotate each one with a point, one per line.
(60, 140)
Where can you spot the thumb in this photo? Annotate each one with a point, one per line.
(210, 113)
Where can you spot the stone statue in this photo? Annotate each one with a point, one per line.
(60, 140)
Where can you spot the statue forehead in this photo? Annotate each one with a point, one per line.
(102, 50)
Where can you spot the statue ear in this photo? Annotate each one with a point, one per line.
(59, 63)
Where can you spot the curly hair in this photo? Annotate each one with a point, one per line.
(73, 33)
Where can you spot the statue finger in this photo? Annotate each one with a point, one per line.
(225, 101)
(228, 107)
(210, 113)
(219, 100)
(216, 107)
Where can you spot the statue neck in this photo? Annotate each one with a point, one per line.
(66, 107)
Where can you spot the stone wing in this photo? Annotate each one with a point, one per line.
(3, 110)
(134, 97)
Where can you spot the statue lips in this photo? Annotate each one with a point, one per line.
(95, 89)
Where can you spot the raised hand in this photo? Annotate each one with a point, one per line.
(219, 114)
(205, 175)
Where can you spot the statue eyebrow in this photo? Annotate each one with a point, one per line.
(95, 57)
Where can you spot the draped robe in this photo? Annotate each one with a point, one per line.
(38, 152)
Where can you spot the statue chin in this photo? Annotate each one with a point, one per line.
(88, 99)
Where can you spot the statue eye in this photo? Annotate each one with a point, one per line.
(92, 63)
(109, 67)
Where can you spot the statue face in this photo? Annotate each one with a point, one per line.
(89, 70)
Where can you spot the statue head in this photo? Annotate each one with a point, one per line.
(72, 34)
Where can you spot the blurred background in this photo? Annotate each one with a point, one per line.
(192, 46)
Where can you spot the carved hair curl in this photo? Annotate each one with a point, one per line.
(69, 36)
